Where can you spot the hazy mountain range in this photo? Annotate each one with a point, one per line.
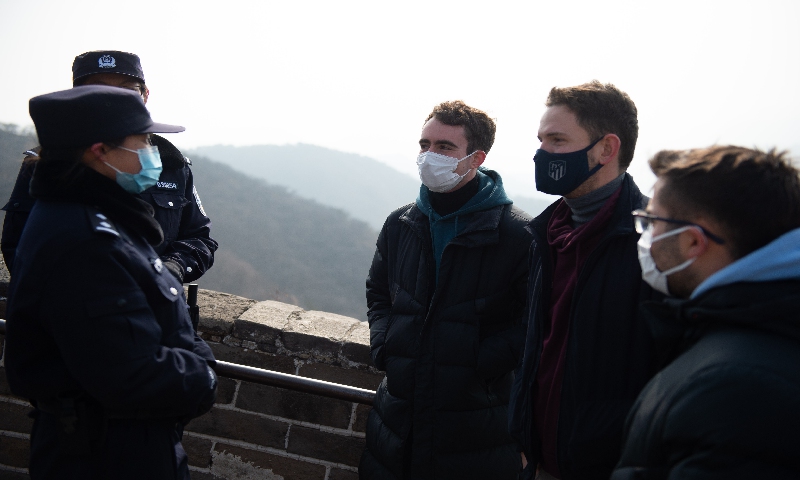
(363, 187)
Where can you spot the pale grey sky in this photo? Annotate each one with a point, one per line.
(361, 76)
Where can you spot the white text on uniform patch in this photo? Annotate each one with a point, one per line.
(171, 185)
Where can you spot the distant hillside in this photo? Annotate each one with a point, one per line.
(273, 244)
(367, 189)
(276, 245)
(364, 187)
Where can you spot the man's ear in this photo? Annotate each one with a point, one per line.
(145, 94)
(477, 159)
(609, 148)
(694, 244)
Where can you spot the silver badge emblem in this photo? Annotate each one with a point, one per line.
(557, 169)
(197, 200)
(106, 61)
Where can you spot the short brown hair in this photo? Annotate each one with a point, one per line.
(478, 127)
(602, 109)
(753, 195)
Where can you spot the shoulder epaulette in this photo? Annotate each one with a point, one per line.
(101, 223)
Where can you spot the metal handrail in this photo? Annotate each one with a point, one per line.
(285, 380)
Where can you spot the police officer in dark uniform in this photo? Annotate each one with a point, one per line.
(188, 249)
(98, 334)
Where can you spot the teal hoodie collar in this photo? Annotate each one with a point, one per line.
(490, 194)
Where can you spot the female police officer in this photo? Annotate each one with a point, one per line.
(98, 334)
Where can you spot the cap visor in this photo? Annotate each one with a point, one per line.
(163, 128)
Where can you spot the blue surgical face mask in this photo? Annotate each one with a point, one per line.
(561, 173)
(150, 160)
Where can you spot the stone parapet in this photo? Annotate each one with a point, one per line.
(255, 431)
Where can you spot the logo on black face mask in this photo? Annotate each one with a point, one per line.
(557, 169)
(106, 61)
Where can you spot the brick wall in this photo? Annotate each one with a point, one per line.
(255, 431)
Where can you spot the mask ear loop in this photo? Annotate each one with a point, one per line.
(465, 174)
(678, 268)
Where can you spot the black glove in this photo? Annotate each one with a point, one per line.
(174, 268)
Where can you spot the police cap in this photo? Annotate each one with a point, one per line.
(107, 61)
(82, 116)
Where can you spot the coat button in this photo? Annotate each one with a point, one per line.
(173, 290)
(189, 269)
(170, 204)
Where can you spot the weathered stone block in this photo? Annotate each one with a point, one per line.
(252, 358)
(345, 376)
(263, 324)
(235, 462)
(198, 450)
(14, 452)
(356, 345)
(295, 405)
(241, 426)
(319, 332)
(360, 422)
(339, 474)
(14, 418)
(218, 311)
(315, 443)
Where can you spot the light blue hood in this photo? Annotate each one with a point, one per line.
(778, 260)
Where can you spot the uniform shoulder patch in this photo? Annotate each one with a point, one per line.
(198, 202)
(100, 223)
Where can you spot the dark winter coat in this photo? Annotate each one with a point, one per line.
(729, 405)
(448, 348)
(609, 349)
(187, 249)
(99, 336)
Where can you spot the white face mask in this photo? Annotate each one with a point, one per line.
(437, 171)
(650, 273)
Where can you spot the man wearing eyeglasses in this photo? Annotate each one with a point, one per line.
(587, 355)
(722, 233)
(188, 249)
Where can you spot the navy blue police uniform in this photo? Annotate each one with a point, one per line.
(99, 336)
(187, 249)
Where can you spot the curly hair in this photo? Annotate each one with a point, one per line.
(478, 127)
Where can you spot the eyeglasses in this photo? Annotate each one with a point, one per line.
(643, 220)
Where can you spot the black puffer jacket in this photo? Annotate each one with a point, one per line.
(448, 349)
(729, 405)
(609, 350)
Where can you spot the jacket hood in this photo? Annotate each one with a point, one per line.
(778, 260)
(490, 194)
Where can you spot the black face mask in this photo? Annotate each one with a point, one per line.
(561, 173)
